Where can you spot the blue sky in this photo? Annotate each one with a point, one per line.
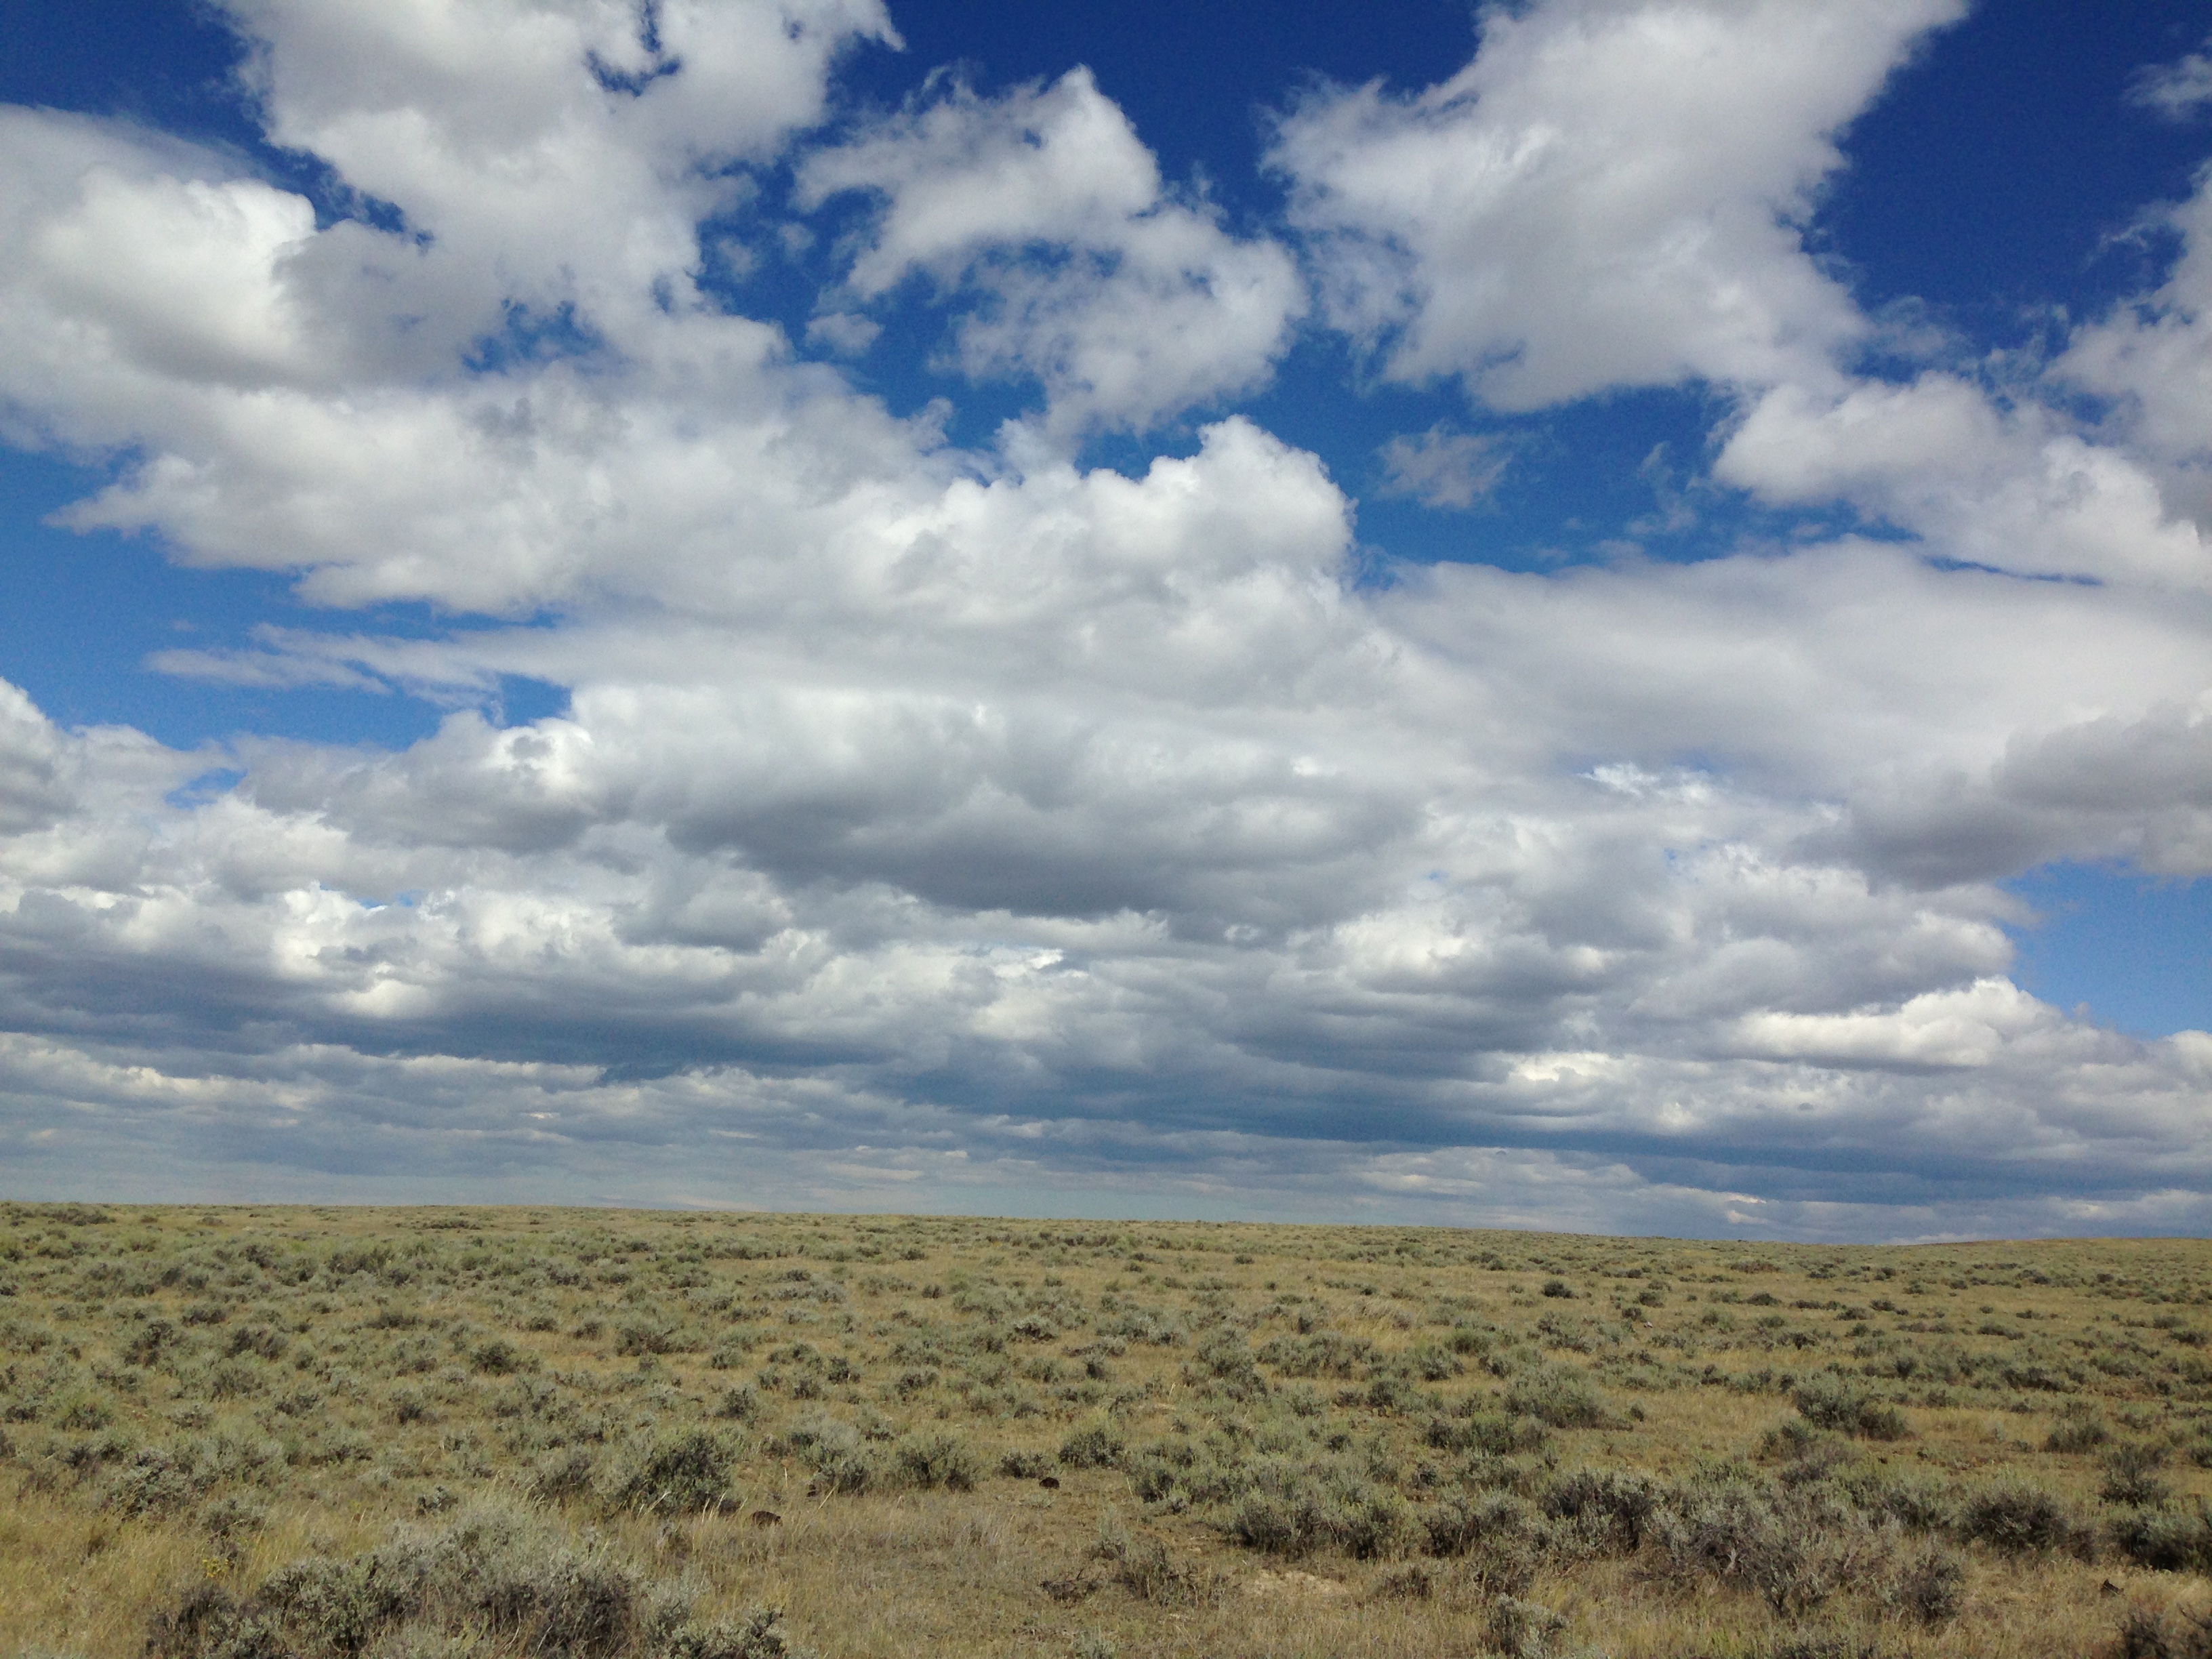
(1592, 614)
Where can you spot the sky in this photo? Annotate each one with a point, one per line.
(1591, 614)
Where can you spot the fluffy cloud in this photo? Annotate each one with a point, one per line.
(1045, 208)
(2152, 359)
(2010, 490)
(1000, 832)
(1609, 194)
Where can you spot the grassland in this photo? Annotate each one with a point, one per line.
(252, 1433)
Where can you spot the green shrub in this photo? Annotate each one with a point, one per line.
(497, 1357)
(1609, 1510)
(2016, 1519)
(1930, 1588)
(740, 1404)
(1794, 1551)
(1559, 1397)
(729, 1354)
(511, 1586)
(1317, 1353)
(2080, 1428)
(1916, 1504)
(2166, 1540)
(1225, 1363)
(1145, 1567)
(1831, 1402)
(682, 1475)
(937, 1460)
(1524, 1630)
(759, 1636)
(1434, 1363)
(1494, 1432)
(559, 1474)
(1373, 1522)
(1097, 1444)
(1462, 1522)
(1281, 1523)
(833, 1452)
(645, 1336)
(2145, 1633)
(2131, 1476)
(1294, 1511)
(151, 1483)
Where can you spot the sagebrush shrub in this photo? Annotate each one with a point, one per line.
(1097, 1444)
(1610, 1508)
(942, 1459)
(1497, 1434)
(511, 1581)
(1462, 1523)
(834, 1451)
(2016, 1519)
(759, 1636)
(564, 1473)
(1793, 1550)
(1559, 1397)
(2145, 1633)
(683, 1474)
(2166, 1540)
(2131, 1475)
(1524, 1630)
(2080, 1428)
(1836, 1402)
(1930, 1587)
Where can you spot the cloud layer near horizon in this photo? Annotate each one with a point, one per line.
(953, 827)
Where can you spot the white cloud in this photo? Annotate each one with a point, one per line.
(1021, 834)
(1439, 468)
(34, 789)
(2177, 90)
(2152, 357)
(1968, 1027)
(1129, 304)
(844, 332)
(1609, 194)
(505, 130)
(2015, 492)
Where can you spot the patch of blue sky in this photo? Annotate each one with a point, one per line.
(86, 611)
(2136, 949)
(210, 785)
(765, 259)
(2004, 171)
(1601, 479)
(527, 335)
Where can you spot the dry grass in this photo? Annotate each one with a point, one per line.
(1250, 1431)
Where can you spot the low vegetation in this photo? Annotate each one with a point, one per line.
(364, 1434)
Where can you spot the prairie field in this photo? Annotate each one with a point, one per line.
(339, 1433)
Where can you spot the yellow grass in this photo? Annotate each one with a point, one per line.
(387, 1369)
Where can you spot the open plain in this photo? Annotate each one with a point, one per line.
(244, 1433)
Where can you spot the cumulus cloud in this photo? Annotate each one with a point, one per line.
(2012, 490)
(1044, 210)
(1609, 194)
(1000, 832)
(2150, 358)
